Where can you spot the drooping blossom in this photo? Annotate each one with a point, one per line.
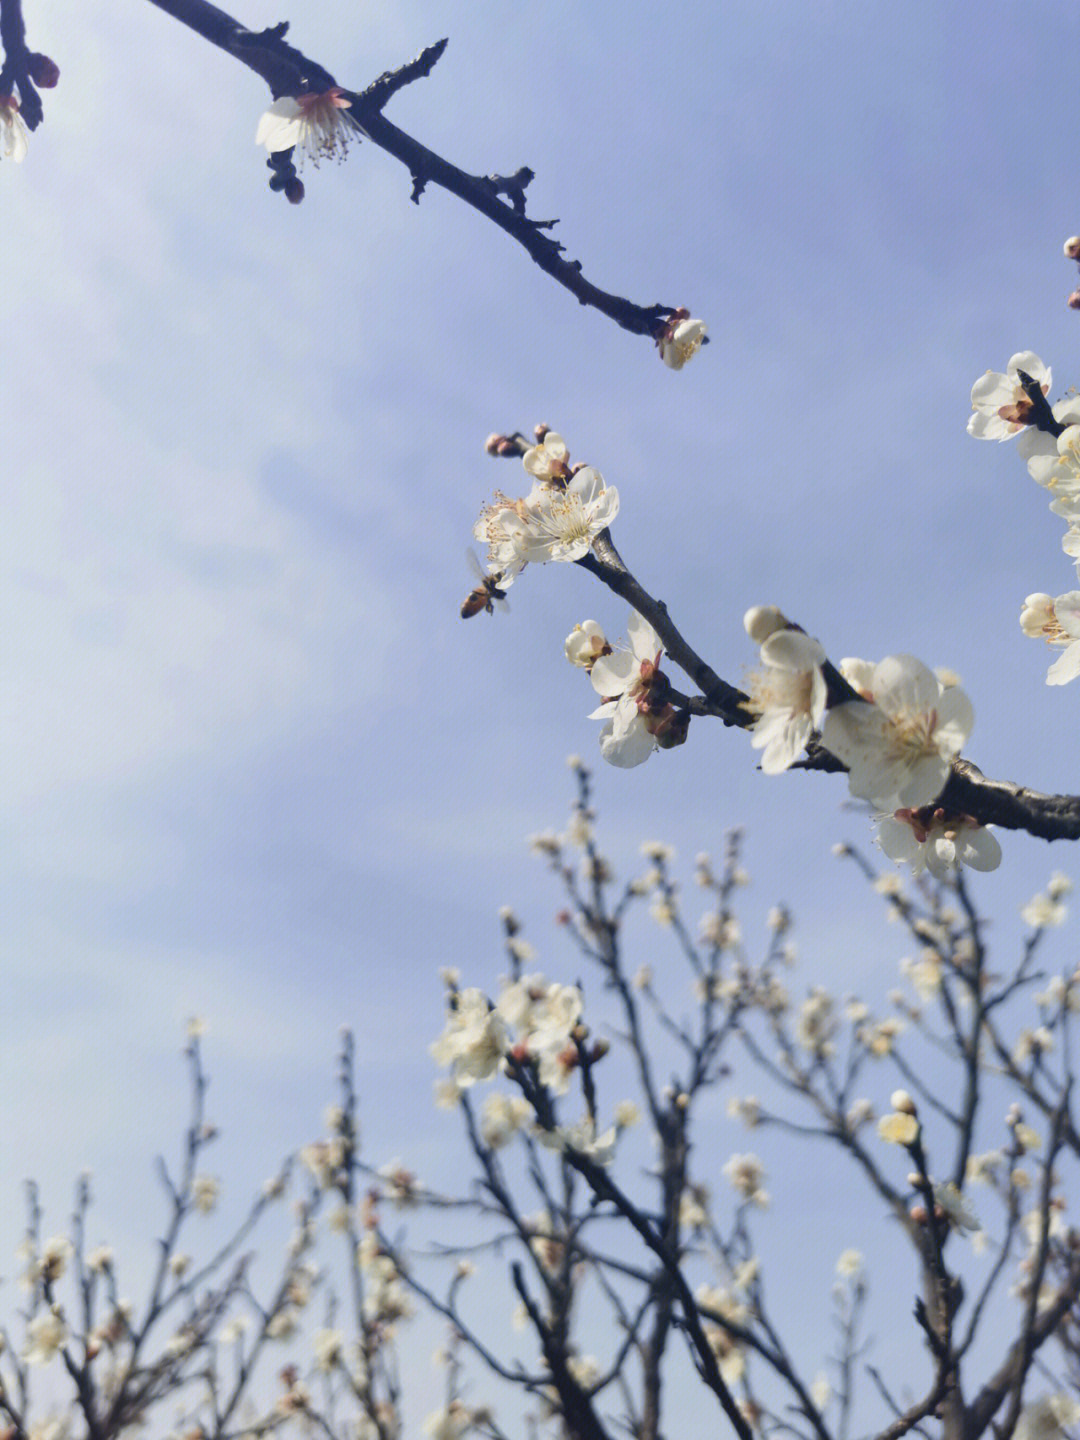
(625, 679)
(788, 694)
(1001, 407)
(680, 339)
(12, 129)
(931, 840)
(317, 125)
(1057, 621)
(898, 744)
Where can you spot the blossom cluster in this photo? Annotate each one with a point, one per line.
(534, 1024)
(563, 513)
(638, 716)
(898, 738)
(1006, 405)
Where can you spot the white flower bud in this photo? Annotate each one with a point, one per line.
(900, 1100)
(761, 621)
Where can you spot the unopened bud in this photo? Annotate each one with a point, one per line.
(672, 730)
(42, 71)
(1073, 301)
(900, 1100)
(918, 1214)
(294, 190)
(1072, 248)
(506, 446)
(600, 1049)
(761, 621)
(492, 443)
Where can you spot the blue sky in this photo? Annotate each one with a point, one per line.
(255, 766)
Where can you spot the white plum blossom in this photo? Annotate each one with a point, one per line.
(1057, 621)
(562, 523)
(1044, 910)
(503, 1116)
(553, 522)
(205, 1192)
(1060, 473)
(956, 1206)
(12, 129)
(46, 1335)
(681, 339)
(548, 459)
(317, 125)
(789, 694)
(1001, 407)
(474, 1040)
(585, 644)
(1040, 449)
(1048, 1418)
(940, 843)
(898, 747)
(745, 1174)
(327, 1345)
(583, 1139)
(498, 527)
(849, 1265)
(625, 679)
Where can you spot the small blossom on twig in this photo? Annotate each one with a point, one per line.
(317, 125)
(12, 129)
(788, 696)
(1001, 407)
(629, 680)
(585, 644)
(205, 1192)
(548, 460)
(47, 1333)
(680, 339)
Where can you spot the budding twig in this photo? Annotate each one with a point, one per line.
(287, 71)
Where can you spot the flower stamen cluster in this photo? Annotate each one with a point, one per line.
(558, 520)
(318, 126)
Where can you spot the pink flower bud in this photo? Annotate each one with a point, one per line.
(44, 72)
(1073, 301)
(294, 190)
(492, 443)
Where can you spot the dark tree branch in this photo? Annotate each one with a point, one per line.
(287, 71)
